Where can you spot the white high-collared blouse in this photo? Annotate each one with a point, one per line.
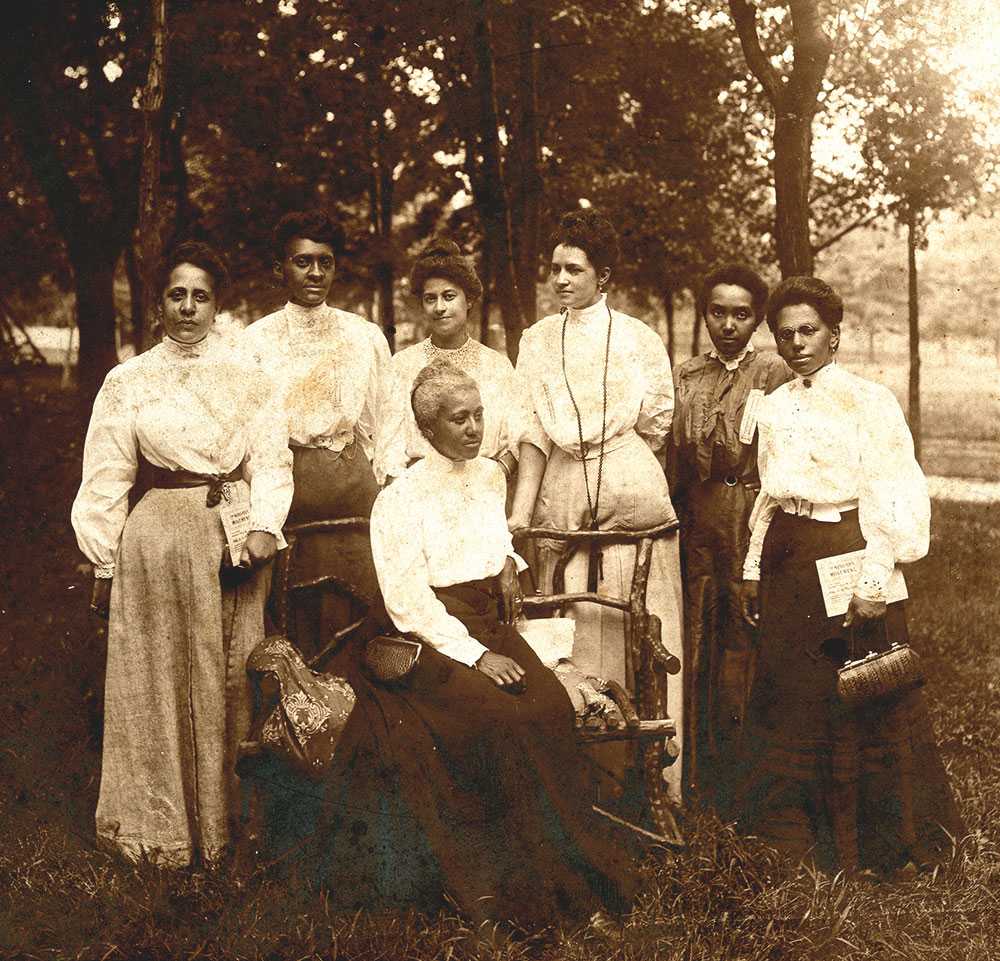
(640, 385)
(206, 408)
(398, 439)
(329, 365)
(840, 440)
(441, 523)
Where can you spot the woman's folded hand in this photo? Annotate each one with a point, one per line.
(259, 549)
(503, 671)
(100, 596)
(860, 610)
(750, 602)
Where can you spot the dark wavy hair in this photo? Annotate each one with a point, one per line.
(739, 275)
(817, 293)
(198, 254)
(591, 232)
(314, 225)
(443, 258)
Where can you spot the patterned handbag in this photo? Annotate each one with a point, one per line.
(391, 660)
(878, 676)
(304, 726)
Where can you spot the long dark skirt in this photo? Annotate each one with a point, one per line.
(851, 788)
(720, 648)
(451, 788)
(329, 486)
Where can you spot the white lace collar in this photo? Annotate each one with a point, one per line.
(737, 360)
(595, 312)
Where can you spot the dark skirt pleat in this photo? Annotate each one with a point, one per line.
(853, 788)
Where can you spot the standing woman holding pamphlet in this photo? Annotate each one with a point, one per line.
(851, 783)
(195, 417)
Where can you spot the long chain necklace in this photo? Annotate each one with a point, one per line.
(595, 566)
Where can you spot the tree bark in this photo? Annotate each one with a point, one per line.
(668, 310)
(914, 328)
(696, 334)
(793, 97)
(492, 204)
(94, 283)
(138, 318)
(526, 225)
(381, 196)
(150, 245)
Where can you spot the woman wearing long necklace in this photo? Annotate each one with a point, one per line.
(600, 404)
(447, 287)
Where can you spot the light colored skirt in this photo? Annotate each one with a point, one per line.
(177, 698)
(634, 496)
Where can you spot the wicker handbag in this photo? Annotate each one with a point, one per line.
(878, 676)
(391, 660)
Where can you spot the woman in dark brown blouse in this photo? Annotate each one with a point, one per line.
(713, 467)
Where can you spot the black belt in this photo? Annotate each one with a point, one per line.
(178, 479)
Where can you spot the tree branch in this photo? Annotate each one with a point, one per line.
(744, 16)
(843, 232)
(812, 49)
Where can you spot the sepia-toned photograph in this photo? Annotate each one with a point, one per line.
(500, 479)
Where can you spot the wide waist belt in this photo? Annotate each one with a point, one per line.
(611, 444)
(830, 513)
(176, 479)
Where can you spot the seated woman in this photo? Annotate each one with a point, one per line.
(197, 416)
(712, 465)
(447, 287)
(851, 788)
(465, 781)
(329, 365)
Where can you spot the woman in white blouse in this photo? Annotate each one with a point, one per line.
(196, 414)
(601, 398)
(853, 789)
(466, 780)
(330, 366)
(447, 287)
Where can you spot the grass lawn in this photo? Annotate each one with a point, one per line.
(723, 898)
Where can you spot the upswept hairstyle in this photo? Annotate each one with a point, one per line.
(198, 254)
(431, 386)
(443, 258)
(314, 225)
(738, 275)
(817, 293)
(592, 233)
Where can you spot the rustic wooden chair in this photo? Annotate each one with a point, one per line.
(643, 706)
(647, 662)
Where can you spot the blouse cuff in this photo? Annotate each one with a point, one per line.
(872, 583)
(751, 569)
(519, 562)
(466, 651)
(104, 571)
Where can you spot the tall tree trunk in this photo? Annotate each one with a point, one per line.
(794, 99)
(493, 204)
(914, 327)
(792, 167)
(487, 302)
(135, 297)
(696, 334)
(526, 226)
(150, 246)
(381, 196)
(668, 309)
(94, 281)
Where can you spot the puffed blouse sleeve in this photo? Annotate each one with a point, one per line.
(268, 461)
(378, 383)
(657, 410)
(110, 463)
(403, 576)
(528, 376)
(390, 425)
(894, 508)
